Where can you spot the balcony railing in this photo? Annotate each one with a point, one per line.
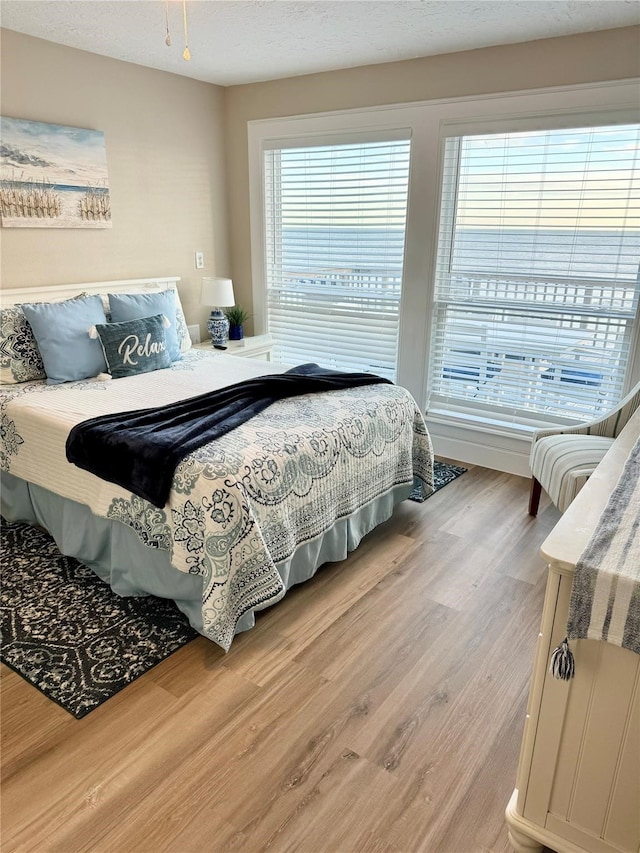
(526, 341)
(561, 293)
(549, 345)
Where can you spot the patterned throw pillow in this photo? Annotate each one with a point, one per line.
(184, 338)
(20, 359)
(134, 346)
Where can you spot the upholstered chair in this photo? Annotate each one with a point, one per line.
(563, 459)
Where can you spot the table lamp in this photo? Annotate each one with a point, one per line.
(218, 294)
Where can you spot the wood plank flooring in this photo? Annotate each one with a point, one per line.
(377, 709)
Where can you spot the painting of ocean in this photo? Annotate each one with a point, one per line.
(52, 176)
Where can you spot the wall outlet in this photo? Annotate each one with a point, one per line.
(199, 260)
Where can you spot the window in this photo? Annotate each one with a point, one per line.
(335, 228)
(537, 273)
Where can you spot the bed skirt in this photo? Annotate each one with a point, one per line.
(116, 554)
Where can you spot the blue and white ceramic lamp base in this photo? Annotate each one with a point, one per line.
(218, 327)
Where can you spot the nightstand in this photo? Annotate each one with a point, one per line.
(257, 346)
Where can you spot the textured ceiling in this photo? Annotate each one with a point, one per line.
(244, 41)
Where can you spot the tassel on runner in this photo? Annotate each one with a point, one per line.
(562, 662)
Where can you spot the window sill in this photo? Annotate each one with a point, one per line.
(480, 423)
(475, 440)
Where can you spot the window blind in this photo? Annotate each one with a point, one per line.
(537, 273)
(335, 228)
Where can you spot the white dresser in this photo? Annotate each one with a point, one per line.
(578, 781)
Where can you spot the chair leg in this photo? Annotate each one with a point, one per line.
(534, 496)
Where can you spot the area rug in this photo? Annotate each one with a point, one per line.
(444, 473)
(67, 633)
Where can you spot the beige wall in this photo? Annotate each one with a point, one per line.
(165, 157)
(166, 137)
(585, 58)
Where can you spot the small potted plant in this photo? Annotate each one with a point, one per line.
(236, 317)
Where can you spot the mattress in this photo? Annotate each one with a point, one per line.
(244, 504)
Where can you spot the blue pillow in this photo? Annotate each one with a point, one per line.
(134, 346)
(60, 329)
(134, 306)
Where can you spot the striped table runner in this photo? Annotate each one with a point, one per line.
(605, 599)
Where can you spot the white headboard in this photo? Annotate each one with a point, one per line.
(55, 292)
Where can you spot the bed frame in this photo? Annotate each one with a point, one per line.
(115, 552)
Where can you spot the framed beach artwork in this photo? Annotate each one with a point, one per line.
(52, 176)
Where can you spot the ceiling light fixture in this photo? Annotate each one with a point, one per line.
(167, 40)
(186, 53)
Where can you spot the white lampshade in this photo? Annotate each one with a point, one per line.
(217, 292)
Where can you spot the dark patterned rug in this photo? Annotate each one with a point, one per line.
(68, 634)
(444, 473)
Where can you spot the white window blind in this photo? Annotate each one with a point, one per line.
(335, 228)
(537, 273)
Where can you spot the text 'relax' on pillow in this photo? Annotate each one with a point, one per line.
(60, 329)
(135, 306)
(134, 346)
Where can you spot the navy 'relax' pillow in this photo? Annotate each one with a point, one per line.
(134, 346)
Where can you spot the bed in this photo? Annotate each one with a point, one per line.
(249, 514)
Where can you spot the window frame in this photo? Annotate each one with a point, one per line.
(430, 123)
(367, 310)
(453, 402)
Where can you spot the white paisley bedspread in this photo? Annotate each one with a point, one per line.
(243, 502)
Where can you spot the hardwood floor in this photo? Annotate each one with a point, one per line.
(377, 709)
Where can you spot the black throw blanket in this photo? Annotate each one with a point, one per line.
(140, 450)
